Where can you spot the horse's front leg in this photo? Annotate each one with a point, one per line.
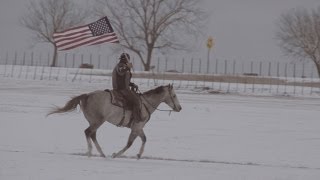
(144, 140)
(133, 135)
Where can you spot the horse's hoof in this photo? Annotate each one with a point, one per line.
(114, 155)
(88, 154)
(138, 156)
(102, 155)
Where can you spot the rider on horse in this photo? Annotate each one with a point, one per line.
(121, 82)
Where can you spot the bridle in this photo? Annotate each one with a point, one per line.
(170, 93)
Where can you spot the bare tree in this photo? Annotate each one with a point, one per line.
(299, 34)
(48, 16)
(146, 25)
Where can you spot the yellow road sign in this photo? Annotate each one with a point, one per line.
(210, 42)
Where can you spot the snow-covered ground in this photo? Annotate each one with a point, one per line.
(219, 137)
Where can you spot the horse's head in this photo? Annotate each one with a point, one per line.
(172, 99)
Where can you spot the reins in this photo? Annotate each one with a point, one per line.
(167, 110)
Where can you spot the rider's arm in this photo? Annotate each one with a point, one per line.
(133, 86)
(122, 69)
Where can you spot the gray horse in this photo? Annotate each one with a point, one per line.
(97, 108)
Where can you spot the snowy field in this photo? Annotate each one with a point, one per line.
(222, 137)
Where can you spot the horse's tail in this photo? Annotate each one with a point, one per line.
(71, 105)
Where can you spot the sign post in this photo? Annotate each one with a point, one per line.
(210, 44)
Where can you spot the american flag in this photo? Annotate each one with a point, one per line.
(94, 33)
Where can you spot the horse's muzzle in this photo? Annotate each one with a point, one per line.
(178, 108)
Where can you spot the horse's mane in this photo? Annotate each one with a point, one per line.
(157, 90)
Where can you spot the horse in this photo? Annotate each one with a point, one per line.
(97, 107)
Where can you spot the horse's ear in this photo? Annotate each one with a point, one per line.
(170, 86)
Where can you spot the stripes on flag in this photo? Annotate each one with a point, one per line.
(94, 33)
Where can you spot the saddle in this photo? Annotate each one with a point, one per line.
(118, 99)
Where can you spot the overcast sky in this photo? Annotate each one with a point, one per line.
(242, 29)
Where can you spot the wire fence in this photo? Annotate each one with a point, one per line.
(216, 66)
(198, 83)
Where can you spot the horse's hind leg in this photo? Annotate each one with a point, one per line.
(132, 137)
(87, 132)
(144, 140)
(94, 139)
(90, 133)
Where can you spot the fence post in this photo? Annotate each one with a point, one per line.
(166, 65)
(41, 78)
(278, 75)
(285, 69)
(67, 72)
(58, 74)
(311, 89)
(285, 74)
(199, 65)
(237, 84)
(73, 59)
(269, 74)
(242, 68)
(13, 64)
(261, 74)
(191, 65)
(294, 78)
(15, 58)
(40, 59)
(99, 61)
(7, 57)
(251, 67)
(302, 88)
(294, 70)
(5, 65)
(216, 68)
(260, 69)
(175, 64)
(253, 83)
(21, 65)
(158, 64)
(91, 58)
(35, 72)
(31, 58)
(26, 77)
(278, 69)
(245, 86)
(82, 58)
(225, 67)
(24, 58)
(269, 71)
(108, 62)
(182, 65)
(50, 71)
(48, 59)
(133, 63)
(65, 59)
(234, 67)
(90, 74)
(303, 70)
(142, 66)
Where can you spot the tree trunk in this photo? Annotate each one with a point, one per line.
(148, 60)
(318, 69)
(55, 56)
(146, 67)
